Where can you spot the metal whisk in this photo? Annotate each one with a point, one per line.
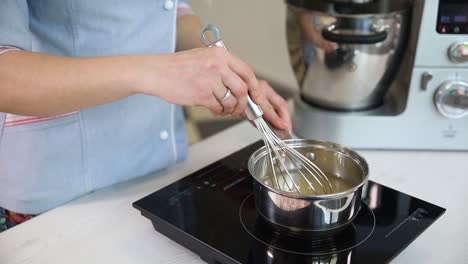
(291, 171)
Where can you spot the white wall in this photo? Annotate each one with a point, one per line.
(254, 30)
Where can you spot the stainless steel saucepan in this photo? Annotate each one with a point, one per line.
(348, 171)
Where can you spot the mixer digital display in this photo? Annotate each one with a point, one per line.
(452, 17)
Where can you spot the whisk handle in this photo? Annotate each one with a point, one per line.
(253, 111)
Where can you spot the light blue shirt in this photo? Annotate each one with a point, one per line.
(47, 163)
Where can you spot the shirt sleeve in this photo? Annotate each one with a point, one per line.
(14, 24)
(184, 8)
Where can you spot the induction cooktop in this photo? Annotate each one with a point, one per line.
(212, 213)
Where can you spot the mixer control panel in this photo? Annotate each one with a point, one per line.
(451, 99)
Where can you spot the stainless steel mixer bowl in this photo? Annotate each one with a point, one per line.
(298, 212)
(346, 61)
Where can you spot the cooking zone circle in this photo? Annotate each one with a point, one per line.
(306, 243)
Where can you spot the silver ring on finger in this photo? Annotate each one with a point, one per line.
(226, 96)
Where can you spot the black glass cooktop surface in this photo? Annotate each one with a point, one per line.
(212, 213)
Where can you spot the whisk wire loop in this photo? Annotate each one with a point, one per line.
(285, 159)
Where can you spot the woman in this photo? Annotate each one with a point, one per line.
(88, 95)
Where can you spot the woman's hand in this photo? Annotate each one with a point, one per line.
(202, 77)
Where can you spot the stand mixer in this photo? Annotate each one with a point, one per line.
(414, 98)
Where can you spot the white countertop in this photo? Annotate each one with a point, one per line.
(103, 227)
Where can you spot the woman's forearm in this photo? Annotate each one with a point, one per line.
(39, 84)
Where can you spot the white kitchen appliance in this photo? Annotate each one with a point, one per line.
(426, 106)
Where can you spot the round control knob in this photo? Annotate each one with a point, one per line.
(451, 99)
(458, 52)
